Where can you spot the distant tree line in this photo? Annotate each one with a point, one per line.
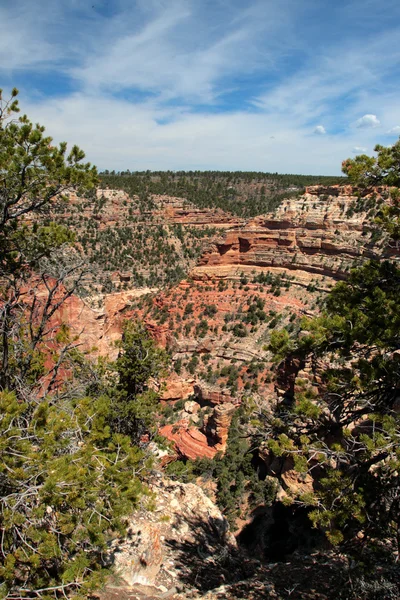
(242, 193)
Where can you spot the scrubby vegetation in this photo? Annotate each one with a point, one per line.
(139, 250)
(345, 429)
(336, 421)
(70, 430)
(238, 486)
(246, 194)
(74, 431)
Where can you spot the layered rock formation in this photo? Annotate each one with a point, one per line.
(318, 233)
(114, 209)
(189, 442)
(217, 425)
(180, 211)
(192, 438)
(315, 238)
(176, 388)
(98, 330)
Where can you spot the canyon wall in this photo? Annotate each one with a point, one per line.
(116, 206)
(319, 233)
(315, 239)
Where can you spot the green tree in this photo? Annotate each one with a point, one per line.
(347, 435)
(66, 483)
(34, 177)
(67, 478)
(382, 170)
(345, 429)
(280, 343)
(133, 401)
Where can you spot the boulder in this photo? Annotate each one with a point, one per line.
(184, 517)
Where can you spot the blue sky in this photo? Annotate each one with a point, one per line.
(293, 86)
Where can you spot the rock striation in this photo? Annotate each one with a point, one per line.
(190, 442)
(217, 425)
(99, 329)
(315, 238)
(167, 210)
(318, 233)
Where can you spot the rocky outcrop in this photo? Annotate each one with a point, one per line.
(159, 332)
(317, 233)
(207, 394)
(189, 442)
(184, 518)
(167, 210)
(99, 329)
(217, 425)
(282, 474)
(192, 439)
(180, 211)
(183, 549)
(176, 388)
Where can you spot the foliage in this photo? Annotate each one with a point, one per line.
(246, 194)
(347, 435)
(133, 402)
(234, 474)
(67, 476)
(384, 169)
(346, 431)
(280, 344)
(66, 481)
(34, 175)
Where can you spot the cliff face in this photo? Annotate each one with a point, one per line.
(98, 330)
(218, 344)
(130, 241)
(165, 547)
(217, 324)
(116, 207)
(180, 212)
(308, 244)
(318, 233)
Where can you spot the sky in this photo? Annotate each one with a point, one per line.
(288, 86)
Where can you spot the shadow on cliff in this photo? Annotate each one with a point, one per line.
(208, 557)
(276, 532)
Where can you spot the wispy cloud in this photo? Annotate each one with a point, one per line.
(394, 130)
(201, 84)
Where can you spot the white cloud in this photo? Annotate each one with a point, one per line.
(22, 40)
(149, 78)
(359, 150)
(367, 122)
(179, 49)
(394, 130)
(134, 138)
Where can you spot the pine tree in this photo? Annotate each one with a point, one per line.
(67, 477)
(346, 433)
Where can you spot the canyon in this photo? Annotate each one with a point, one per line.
(318, 233)
(248, 278)
(281, 263)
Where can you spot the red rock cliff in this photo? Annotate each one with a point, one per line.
(318, 233)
